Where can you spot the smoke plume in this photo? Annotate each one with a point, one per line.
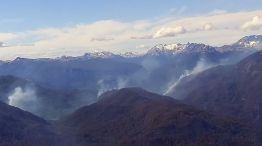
(107, 85)
(25, 99)
(201, 65)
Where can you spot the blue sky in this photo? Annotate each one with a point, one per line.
(52, 28)
(20, 15)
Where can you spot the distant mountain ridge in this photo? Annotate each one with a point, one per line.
(173, 49)
(75, 81)
(161, 64)
(247, 42)
(254, 41)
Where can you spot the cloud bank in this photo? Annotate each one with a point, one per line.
(169, 32)
(216, 28)
(255, 24)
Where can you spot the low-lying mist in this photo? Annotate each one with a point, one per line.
(47, 103)
(86, 82)
(136, 79)
(161, 76)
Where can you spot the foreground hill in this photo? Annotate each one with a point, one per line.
(135, 117)
(20, 128)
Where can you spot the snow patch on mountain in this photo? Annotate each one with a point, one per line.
(172, 49)
(254, 41)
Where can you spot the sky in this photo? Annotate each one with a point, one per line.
(53, 28)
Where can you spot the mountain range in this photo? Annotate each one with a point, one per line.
(86, 77)
(173, 95)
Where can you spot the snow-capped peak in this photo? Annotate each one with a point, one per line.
(254, 41)
(129, 54)
(176, 47)
(166, 48)
(103, 54)
(251, 44)
(172, 49)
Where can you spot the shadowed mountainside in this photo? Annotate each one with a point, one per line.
(135, 117)
(233, 90)
(20, 128)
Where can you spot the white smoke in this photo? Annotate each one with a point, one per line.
(201, 65)
(25, 99)
(104, 86)
(122, 83)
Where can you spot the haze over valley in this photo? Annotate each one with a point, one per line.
(164, 73)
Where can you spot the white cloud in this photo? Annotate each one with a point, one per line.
(142, 37)
(254, 24)
(2, 44)
(7, 36)
(169, 32)
(102, 39)
(208, 26)
(120, 37)
(142, 46)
